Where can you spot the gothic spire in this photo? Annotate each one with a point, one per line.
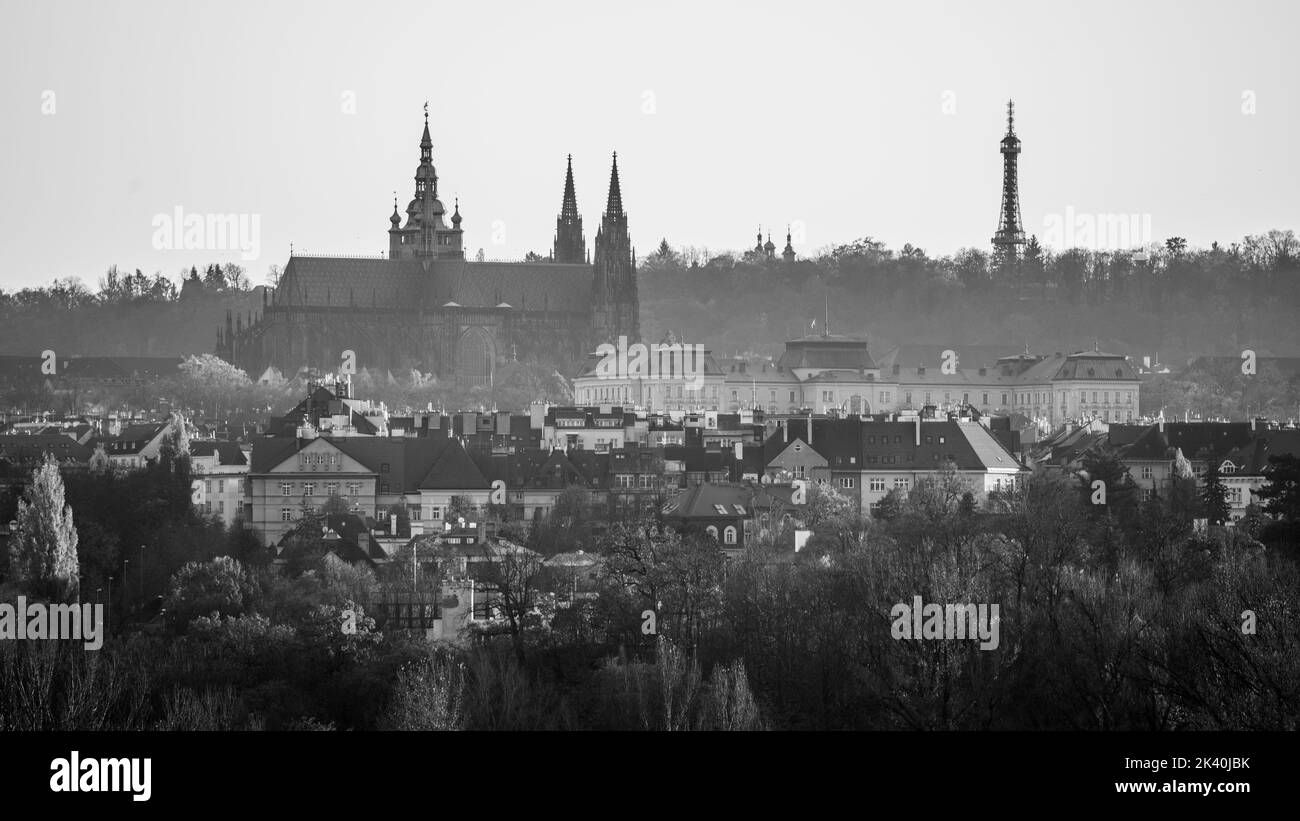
(570, 244)
(614, 205)
(569, 207)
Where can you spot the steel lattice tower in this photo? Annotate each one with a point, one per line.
(1011, 233)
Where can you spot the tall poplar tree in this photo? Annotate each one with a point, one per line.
(43, 553)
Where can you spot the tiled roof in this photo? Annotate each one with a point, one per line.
(340, 281)
(133, 438)
(1197, 440)
(431, 284)
(699, 501)
(1082, 365)
(531, 286)
(414, 463)
(1251, 458)
(931, 356)
(33, 447)
(851, 444)
(229, 453)
(833, 351)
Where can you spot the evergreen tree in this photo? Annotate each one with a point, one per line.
(966, 507)
(1120, 490)
(1214, 496)
(43, 554)
(1282, 493)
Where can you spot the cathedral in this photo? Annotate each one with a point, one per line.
(424, 306)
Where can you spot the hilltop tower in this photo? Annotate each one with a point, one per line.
(1010, 236)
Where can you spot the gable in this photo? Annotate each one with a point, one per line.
(319, 456)
(797, 453)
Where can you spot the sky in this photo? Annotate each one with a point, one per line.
(844, 120)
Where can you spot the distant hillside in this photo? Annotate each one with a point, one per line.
(143, 328)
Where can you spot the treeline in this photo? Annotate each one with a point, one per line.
(1168, 298)
(127, 313)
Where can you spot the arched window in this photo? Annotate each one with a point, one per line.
(712, 531)
(729, 535)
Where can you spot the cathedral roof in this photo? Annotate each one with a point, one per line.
(406, 283)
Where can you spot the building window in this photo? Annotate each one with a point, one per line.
(729, 535)
(1147, 471)
(354, 488)
(877, 483)
(207, 486)
(332, 488)
(383, 468)
(902, 484)
(435, 513)
(286, 488)
(308, 488)
(847, 482)
(712, 531)
(286, 514)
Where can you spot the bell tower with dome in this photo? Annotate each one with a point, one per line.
(425, 234)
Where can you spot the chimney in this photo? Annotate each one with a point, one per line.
(785, 432)
(918, 430)
(810, 430)
(1252, 424)
(1161, 424)
(392, 524)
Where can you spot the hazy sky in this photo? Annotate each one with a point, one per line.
(848, 118)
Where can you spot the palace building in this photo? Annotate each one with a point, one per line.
(423, 305)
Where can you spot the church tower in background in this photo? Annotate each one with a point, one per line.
(615, 305)
(570, 245)
(425, 234)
